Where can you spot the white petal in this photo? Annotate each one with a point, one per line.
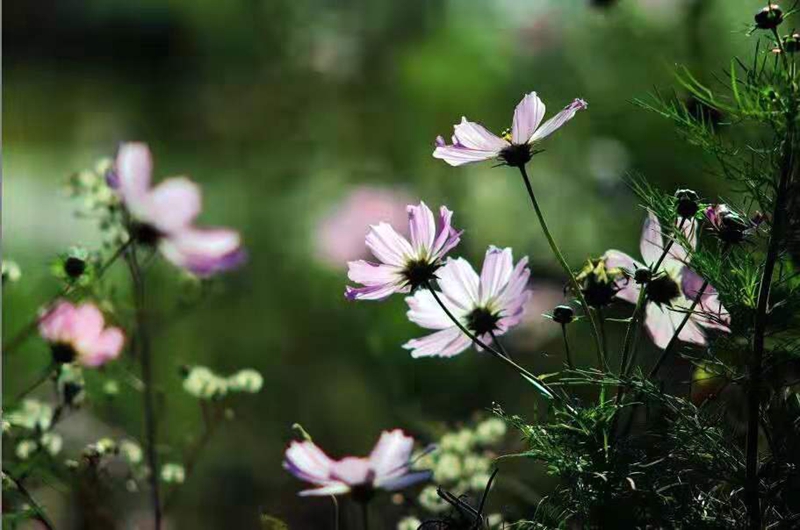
(459, 281)
(554, 123)
(134, 166)
(445, 343)
(425, 311)
(527, 117)
(391, 454)
(456, 155)
(475, 136)
(652, 243)
(173, 204)
(389, 246)
(497, 267)
(422, 226)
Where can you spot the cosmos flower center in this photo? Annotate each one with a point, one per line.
(146, 234)
(482, 321)
(418, 272)
(516, 155)
(62, 352)
(662, 290)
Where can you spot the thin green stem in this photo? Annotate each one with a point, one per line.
(365, 514)
(570, 364)
(39, 513)
(534, 380)
(564, 265)
(143, 346)
(500, 346)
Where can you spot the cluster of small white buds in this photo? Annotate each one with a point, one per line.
(203, 383)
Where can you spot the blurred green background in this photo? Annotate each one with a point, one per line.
(305, 120)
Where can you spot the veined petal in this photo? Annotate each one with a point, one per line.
(425, 311)
(652, 243)
(173, 204)
(403, 480)
(371, 274)
(459, 281)
(306, 461)
(134, 167)
(628, 288)
(517, 284)
(691, 332)
(444, 343)
(475, 136)
(351, 470)
(457, 155)
(497, 267)
(527, 117)
(375, 292)
(389, 246)
(391, 454)
(554, 123)
(204, 252)
(422, 227)
(448, 238)
(659, 324)
(677, 252)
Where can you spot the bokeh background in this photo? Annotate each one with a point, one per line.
(306, 120)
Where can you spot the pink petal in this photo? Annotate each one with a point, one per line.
(105, 348)
(388, 246)
(374, 292)
(448, 237)
(56, 324)
(391, 454)
(457, 155)
(474, 136)
(422, 227)
(134, 167)
(308, 462)
(690, 332)
(629, 289)
(87, 326)
(517, 284)
(554, 123)
(677, 252)
(173, 204)
(459, 282)
(445, 343)
(658, 324)
(372, 274)
(527, 117)
(497, 267)
(352, 470)
(204, 252)
(425, 311)
(652, 243)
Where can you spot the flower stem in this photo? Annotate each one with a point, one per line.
(570, 364)
(538, 383)
(365, 514)
(564, 265)
(142, 344)
(502, 349)
(39, 513)
(755, 369)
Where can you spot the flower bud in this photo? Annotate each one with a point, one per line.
(769, 17)
(730, 227)
(563, 314)
(642, 275)
(791, 43)
(687, 203)
(74, 267)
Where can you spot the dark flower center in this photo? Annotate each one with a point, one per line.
(516, 155)
(362, 493)
(662, 290)
(419, 272)
(74, 267)
(62, 353)
(146, 234)
(482, 321)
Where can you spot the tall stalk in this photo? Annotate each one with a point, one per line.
(755, 368)
(142, 344)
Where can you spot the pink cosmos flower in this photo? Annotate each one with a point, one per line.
(474, 143)
(164, 216)
(488, 304)
(672, 289)
(340, 234)
(79, 334)
(404, 265)
(388, 467)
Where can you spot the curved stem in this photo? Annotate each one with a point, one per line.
(538, 383)
(564, 265)
(39, 380)
(143, 346)
(39, 512)
(500, 346)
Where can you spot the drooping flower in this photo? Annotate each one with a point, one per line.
(474, 143)
(339, 235)
(78, 333)
(403, 266)
(388, 467)
(727, 225)
(164, 216)
(491, 303)
(671, 290)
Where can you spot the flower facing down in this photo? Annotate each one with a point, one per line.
(163, 216)
(730, 227)
(474, 143)
(388, 467)
(488, 304)
(671, 290)
(78, 334)
(404, 265)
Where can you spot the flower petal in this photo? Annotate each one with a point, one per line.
(105, 348)
(445, 343)
(173, 204)
(389, 246)
(652, 243)
(55, 324)
(475, 136)
(335, 488)
(460, 283)
(374, 292)
(405, 480)
(134, 167)
(527, 117)
(497, 267)
(448, 237)
(372, 274)
(658, 324)
(426, 312)
(554, 123)
(458, 155)
(628, 289)
(306, 461)
(391, 454)
(204, 252)
(422, 227)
